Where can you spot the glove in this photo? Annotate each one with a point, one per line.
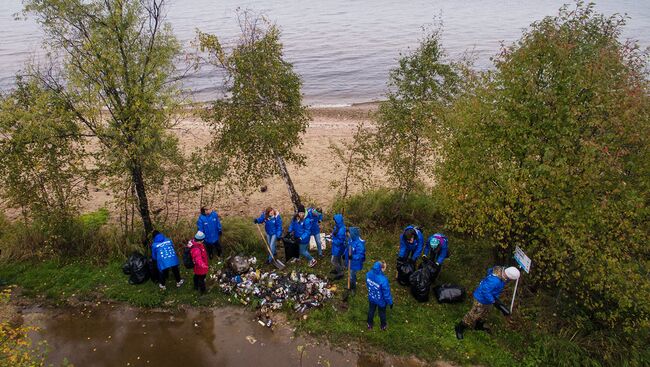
(254, 221)
(391, 306)
(501, 307)
(220, 233)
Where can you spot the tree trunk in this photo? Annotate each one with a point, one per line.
(143, 202)
(295, 198)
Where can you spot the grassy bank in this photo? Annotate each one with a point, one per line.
(530, 337)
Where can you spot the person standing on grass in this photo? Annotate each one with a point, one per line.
(210, 225)
(410, 244)
(163, 253)
(357, 256)
(339, 246)
(300, 227)
(315, 216)
(486, 295)
(437, 250)
(200, 260)
(379, 296)
(273, 228)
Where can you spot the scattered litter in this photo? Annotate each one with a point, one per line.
(251, 339)
(269, 291)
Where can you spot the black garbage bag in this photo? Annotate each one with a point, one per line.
(291, 247)
(449, 293)
(137, 268)
(404, 270)
(154, 274)
(431, 267)
(421, 285)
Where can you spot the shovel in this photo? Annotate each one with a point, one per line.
(278, 264)
(346, 295)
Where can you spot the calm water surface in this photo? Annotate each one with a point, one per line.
(342, 48)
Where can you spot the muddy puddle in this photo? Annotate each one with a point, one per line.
(116, 335)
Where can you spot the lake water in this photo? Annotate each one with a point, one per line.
(343, 49)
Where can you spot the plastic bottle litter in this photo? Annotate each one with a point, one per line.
(271, 290)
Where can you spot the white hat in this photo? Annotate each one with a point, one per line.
(512, 273)
(199, 236)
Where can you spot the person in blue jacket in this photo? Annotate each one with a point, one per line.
(410, 244)
(210, 225)
(437, 250)
(357, 251)
(272, 226)
(487, 294)
(379, 296)
(163, 253)
(300, 227)
(315, 216)
(339, 246)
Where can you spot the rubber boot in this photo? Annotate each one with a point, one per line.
(460, 328)
(481, 326)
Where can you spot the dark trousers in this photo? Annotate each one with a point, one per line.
(199, 283)
(371, 314)
(165, 273)
(213, 248)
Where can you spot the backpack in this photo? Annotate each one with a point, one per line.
(187, 258)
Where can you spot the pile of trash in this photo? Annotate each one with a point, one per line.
(271, 290)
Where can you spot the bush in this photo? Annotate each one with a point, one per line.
(550, 152)
(391, 210)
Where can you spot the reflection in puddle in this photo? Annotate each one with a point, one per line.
(122, 336)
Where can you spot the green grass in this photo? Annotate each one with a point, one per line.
(423, 329)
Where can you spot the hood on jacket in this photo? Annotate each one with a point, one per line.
(355, 235)
(377, 267)
(338, 219)
(159, 238)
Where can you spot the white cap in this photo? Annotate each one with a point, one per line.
(512, 273)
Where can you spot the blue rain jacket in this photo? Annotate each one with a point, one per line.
(416, 246)
(210, 225)
(490, 287)
(163, 253)
(439, 253)
(272, 225)
(300, 229)
(357, 248)
(314, 226)
(338, 236)
(378, 287)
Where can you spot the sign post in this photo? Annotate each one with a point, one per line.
(524, 262)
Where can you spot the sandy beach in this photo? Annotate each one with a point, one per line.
(313, 181)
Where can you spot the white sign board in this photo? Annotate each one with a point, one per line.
(522, 259)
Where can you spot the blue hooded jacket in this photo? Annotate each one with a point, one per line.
(163, 253)
(314, 217)
(378, 287)
(416, 246)
(300, 229)
(272, 225)
(490, 287)
(357, 248)
(338, 236)
(210, 225)
(442, 249)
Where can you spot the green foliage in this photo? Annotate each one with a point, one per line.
(550, 152)
(117, 55)
(389, 209)
(260, 122)
(410, 122)
(41, 158)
